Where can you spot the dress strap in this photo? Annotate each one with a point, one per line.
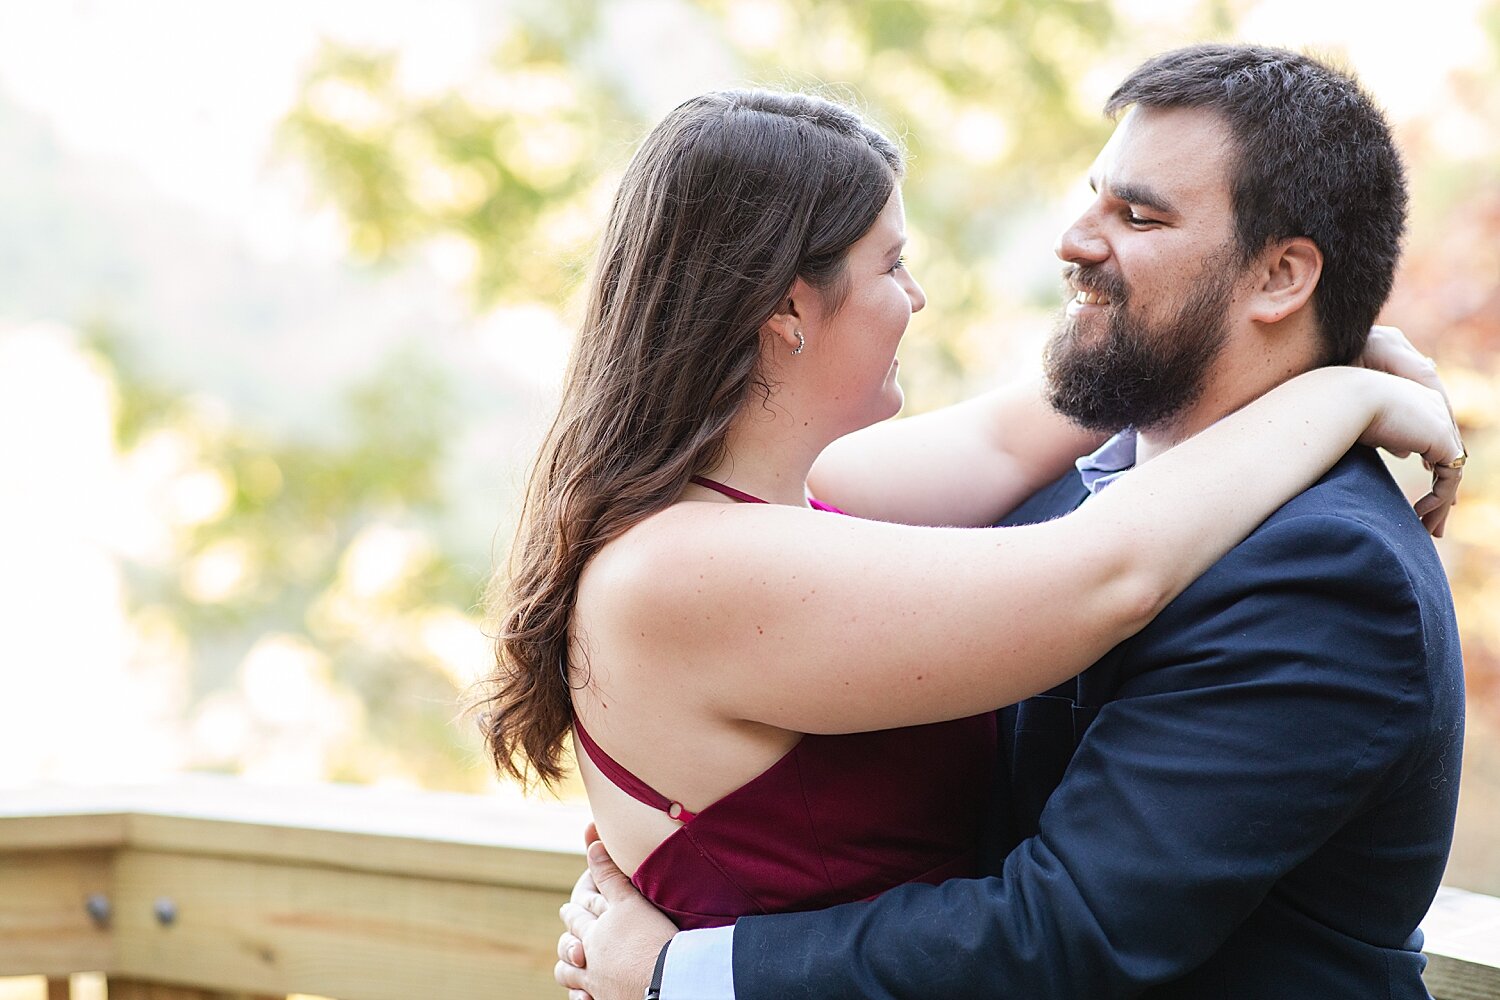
(728, 491)
(742, 497)
(627, 782)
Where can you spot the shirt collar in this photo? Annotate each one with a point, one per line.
(1112, 460)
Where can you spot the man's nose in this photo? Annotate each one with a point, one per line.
(1081, 243)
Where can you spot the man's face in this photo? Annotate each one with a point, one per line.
(1153, 268)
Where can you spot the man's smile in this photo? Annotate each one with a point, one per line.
(1085, 298)
(1092, 288)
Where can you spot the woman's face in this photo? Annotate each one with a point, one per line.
(853, 351)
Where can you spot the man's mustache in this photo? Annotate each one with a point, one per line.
(1096, 279)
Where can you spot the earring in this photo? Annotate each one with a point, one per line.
(801, 343)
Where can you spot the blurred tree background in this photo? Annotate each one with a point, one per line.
(301, 585)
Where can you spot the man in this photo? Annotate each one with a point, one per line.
(1253, 797)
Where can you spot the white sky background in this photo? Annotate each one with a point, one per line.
(189, 93)
(187, 96)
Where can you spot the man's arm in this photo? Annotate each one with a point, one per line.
(1280, 690)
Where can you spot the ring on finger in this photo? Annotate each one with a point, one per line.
(1457, 463)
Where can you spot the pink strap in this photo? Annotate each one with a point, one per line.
(734, 494)
(728, 491)
(627, 782)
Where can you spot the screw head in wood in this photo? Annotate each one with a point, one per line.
(98, 908)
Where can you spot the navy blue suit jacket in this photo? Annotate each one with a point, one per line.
(1251, 798)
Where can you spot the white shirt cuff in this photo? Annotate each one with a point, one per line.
(700, 965)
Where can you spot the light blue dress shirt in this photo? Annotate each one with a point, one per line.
(700, 964)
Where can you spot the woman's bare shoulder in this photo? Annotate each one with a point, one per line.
(667, 559)
(683, 576)
(657, 549)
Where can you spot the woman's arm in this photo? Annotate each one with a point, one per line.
(970, 464)
(965, 465)
(1388, 350)
(820, 624)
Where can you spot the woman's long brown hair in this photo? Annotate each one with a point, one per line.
(730, 198)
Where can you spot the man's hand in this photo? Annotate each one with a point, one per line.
(613, 935)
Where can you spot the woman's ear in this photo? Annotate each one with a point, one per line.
(1288, 275)
(785, 325)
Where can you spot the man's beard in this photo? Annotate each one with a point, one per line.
(1137, 374)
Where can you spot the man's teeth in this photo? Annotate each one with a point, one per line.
(1091, 299)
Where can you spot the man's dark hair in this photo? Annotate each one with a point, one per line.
(1316, 159)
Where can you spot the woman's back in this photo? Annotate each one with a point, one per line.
(831, 819)
(834, 820)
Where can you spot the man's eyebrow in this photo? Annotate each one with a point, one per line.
(1136, 194)
(1140, 194)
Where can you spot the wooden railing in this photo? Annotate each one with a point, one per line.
(213, 889)
(232, 890)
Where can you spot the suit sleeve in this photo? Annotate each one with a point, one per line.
(1261, 709)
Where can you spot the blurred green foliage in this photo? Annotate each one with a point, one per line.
(273, 560)
(517, 166)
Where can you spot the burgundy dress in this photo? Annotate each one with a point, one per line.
(836, 819)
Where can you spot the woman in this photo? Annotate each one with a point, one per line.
(777, 705)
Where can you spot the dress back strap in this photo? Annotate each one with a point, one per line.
(627, 782)
(728, 491)
(743, 497)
